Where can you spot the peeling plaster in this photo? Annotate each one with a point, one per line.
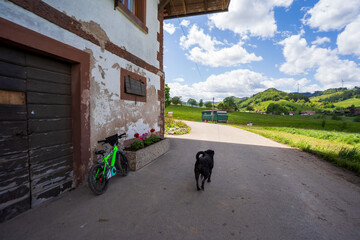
(96, 31)
(116, 66)
(136, 70)
(101, 70)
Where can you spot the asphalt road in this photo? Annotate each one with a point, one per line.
(260, 189)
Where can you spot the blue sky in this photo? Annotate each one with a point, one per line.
(258, 44)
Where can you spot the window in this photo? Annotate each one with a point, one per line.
(135, 10)
(132, 86)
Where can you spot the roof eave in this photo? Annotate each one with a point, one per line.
(195, 14)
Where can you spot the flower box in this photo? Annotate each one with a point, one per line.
(142, 157)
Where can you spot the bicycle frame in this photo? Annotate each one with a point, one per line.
(110, 166)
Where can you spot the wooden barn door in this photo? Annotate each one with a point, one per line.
(14, 158)
(36, 129)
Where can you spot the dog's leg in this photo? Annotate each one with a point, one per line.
(197, 180)
(209, 180)
(203, 182)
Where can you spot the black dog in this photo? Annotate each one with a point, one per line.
(203, 166)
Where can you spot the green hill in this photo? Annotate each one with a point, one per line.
(328, 100)
(335, 95)
(292, 102)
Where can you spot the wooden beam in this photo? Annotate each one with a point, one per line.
(184, 5)
(162, 4)
(206, 5)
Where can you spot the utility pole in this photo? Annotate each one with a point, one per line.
(342, 83)
(298, 87)
(212, 113)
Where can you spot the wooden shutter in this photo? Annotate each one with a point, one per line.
(133, 86)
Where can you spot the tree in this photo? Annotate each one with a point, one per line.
(276, 109)
(208, 104)
(176, 100)
(201, 103)
(229, 103)
(221, 106)
(192, 102)
(250, 108)
(167, 95)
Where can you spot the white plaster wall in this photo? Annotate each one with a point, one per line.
(118, 28)
(108, 113)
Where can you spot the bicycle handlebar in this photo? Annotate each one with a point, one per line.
(111, 138)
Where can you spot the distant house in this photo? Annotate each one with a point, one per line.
(291, 113)
(307, 112)
(339, 111)
(357, 111)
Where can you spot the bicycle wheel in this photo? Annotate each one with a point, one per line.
(122, 163)
(97, 180)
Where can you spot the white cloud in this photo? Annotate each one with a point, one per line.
(320, 40)
(185, 23)
(170, 28)
(197, 36)
(250, 17)
(204, 49)
(179, 80)
(332, 14)
(348, 40)
(329, 68)
(239, 83)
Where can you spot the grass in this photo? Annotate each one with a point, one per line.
(348, 102)
(337, 150)
(317, 98)
(185, 112)
(341, 137)
(339, 142)
(297, 121)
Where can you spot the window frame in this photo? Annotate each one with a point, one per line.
(138, 17)
(128, 96)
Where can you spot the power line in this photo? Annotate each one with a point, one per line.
(197, 66)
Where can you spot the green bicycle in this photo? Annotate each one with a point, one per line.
(100, 173)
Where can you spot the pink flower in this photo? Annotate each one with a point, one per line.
(142, 138)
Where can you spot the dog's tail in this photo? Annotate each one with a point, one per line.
(198, 155)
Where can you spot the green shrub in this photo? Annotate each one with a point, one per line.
(175, 126)
(137, 144)
(154, 138)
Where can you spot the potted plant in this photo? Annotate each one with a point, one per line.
(146, 148)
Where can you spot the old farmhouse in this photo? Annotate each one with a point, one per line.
(72, 73)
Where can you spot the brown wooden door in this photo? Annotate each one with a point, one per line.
(36, 133)
(14, 162)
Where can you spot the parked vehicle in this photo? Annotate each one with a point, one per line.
(214, 116)
(100, 173)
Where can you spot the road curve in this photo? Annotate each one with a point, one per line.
(260, 189)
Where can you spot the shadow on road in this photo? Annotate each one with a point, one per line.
(256, 192)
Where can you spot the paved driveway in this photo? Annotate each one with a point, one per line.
(259, 190)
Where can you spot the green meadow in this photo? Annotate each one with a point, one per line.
(338, 141)
(345, 124)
